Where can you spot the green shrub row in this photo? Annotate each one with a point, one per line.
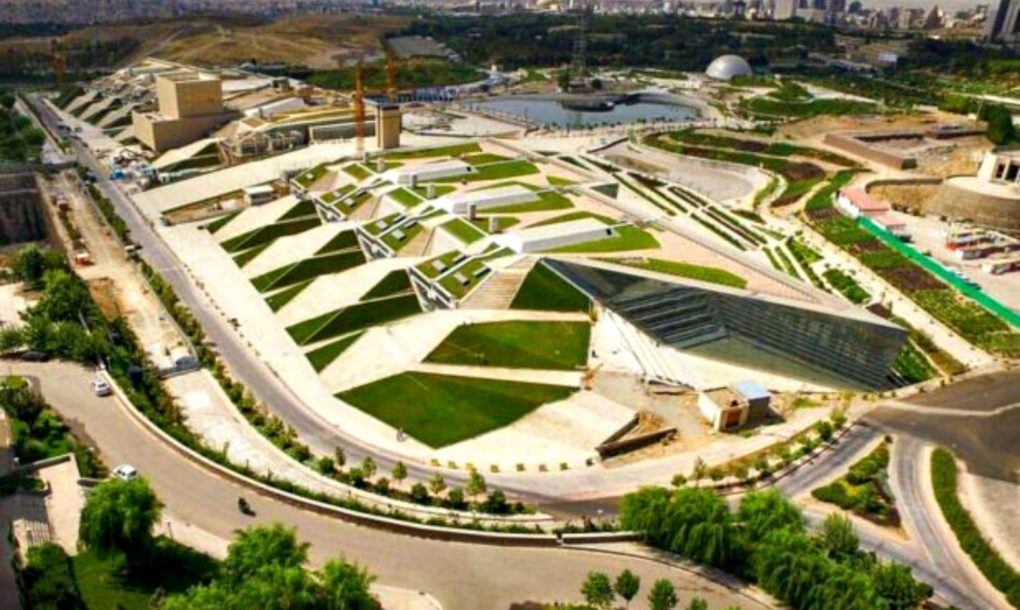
(996, 569)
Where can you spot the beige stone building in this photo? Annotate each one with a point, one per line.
(190, 104)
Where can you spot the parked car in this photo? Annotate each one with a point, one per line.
(101, 387)
(35, 355)
(125, 472)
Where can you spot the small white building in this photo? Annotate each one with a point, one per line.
(259, 194)
(744, 402)
(414, 174)
(463, 202)
(556, 235)
(855, 202)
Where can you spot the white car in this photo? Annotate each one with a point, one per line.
(101, 387)
(125, 472)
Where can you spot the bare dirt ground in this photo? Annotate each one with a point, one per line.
(912, 197)
(319, 41)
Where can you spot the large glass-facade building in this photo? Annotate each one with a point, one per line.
(848, 342)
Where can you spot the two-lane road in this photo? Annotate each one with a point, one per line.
(459, 575)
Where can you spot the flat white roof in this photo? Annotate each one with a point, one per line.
(561, 229)
(435, 166)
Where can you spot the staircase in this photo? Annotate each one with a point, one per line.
(497, 292)
(679, 318)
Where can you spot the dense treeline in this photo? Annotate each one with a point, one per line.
(617, 40)
(766, 542)
(20, 140)
(35, 63)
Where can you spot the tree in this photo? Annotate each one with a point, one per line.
(563, 80)
(437, 484)
(698, 603)
(119, 516)
(837, 537)
(475, 484)
(895, 583)
(368, 467)
(455, 498)
(679, 480)
(627, 585)
(690, 521)
(761, 512)
(264, 570)
(700, 470)
(11, 338)
(339, 457)
(257, 547)
(662, 596)
(598, 590)
(419, 494)
(399, 471)
(29, 266)
(49, 582)
(345, 586)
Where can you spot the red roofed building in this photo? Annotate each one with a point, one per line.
(854, 202)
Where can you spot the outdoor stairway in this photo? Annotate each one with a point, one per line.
(32, 522)
(679, 318)
(497, 292)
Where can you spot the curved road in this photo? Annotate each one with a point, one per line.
(375, 548)
(459, 575)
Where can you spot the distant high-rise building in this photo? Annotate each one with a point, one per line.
(855, 8)
(819, 5)
(1003, 23)
(785, 9)
(837, 7)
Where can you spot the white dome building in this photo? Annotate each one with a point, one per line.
(725, 67)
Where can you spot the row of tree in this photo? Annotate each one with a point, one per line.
(766, 541)
(600, 593)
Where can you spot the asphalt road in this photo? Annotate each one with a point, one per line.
(459, 575)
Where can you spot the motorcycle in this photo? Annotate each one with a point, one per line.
(244, 507)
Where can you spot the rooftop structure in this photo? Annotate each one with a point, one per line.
(726, 67)
(990, 199)
(190, 105)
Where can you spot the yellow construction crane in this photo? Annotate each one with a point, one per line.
(359, 109)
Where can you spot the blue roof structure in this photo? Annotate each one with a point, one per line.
(751, 390)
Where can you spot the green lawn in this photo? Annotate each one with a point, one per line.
(496, 171)
(308, 269)
(325, 355)
(248, 255)
(311, 176)
(104, 587)
(483, 158)
(395, 282)
(502, 222)
(837, 107)
(269, 233)
(579, 215)
(543, 290)
(441, 410)
(342, 241)
(404, 197)
(441, 151)
(302, 208)
(517, 344)
(628, 237)
(463, 230)
(221, 222)
(357, 171)
(694, 272)
(355, 317)
(277, 300)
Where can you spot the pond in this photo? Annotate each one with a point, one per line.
(552, 112)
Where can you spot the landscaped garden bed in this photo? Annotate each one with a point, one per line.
(864, 489)
(356, 317)
(687, 270)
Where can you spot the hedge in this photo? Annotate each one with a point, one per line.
(986, 558)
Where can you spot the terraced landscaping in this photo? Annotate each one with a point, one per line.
(322, 357)
(359, 316)
(864, 489)
(516, 344)
(701, 273)
(395, 282)
(463, 230)
(440, 410)
(308, 269)
(628, 237)
(277, 300)
(453, 150)
(268, 233)
(495, 171)
(847, 285)
(543, 290)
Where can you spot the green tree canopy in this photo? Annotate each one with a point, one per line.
(257, 547)
(662, 595)
(598, 590)
(119, 516)
(627, 585)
